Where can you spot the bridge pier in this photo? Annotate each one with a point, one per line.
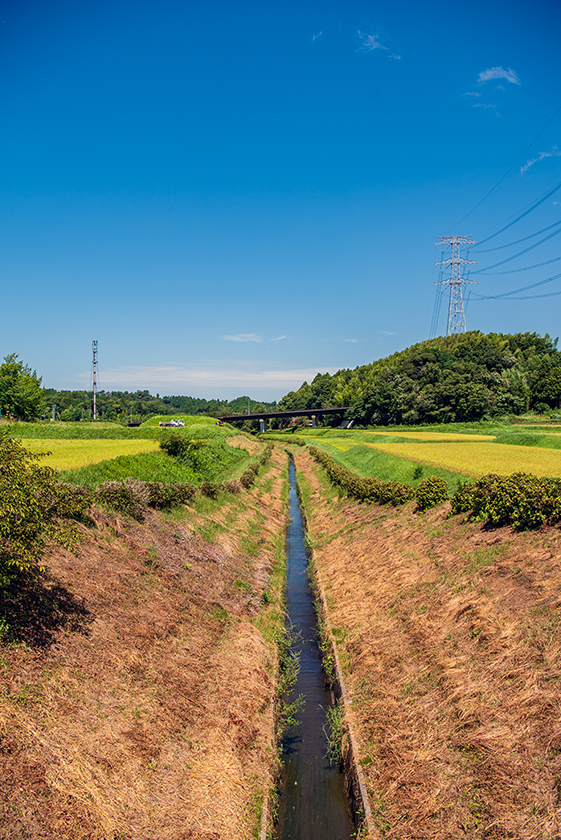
(314, 421)
(262, 426)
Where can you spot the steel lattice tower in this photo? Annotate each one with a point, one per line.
(456, 314)
(94, 368)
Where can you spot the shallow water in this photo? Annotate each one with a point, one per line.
(313, 804)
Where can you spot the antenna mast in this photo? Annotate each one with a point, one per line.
(456, 314)
(94, 367)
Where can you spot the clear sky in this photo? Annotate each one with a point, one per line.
(233, 196)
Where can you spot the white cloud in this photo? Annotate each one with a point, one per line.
(315, 37)
(207, 377)
(472, 93)
(553, 153)
(487, 105)
(242, 337)
(279, 338)
(371, 42)
(499, 73)
(352, 340)
(388, 332)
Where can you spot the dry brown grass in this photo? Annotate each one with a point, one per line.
(149, 715)
(449, 637)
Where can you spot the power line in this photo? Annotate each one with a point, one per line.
(518, 241)
(479, 203)
(517, 270)
(526, 297)
(517, 291)
(436, 312)
(519, 254)
(521, 216)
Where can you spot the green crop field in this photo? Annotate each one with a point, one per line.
(455, 451)
(70, 454)
(478, 458)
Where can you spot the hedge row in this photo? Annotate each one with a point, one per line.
(132, 497)
(521, 500)
(250, 474)
(363, 489)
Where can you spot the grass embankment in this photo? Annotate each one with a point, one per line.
(137, 689)
(448, 634)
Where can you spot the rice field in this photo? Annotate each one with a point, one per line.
(70, 454)
(459, 451)
(434, 436)
(475, 458)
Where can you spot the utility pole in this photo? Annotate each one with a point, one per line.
(94, 367)
(456, 315)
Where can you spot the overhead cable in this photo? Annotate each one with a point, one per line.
(516, 270)
(519, 254)
(533, 207)
(509, 170)
(517, 291)
(518, 241)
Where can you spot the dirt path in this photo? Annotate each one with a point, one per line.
(449, 639)
(141, 705)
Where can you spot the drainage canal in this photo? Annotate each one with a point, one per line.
(313, 804)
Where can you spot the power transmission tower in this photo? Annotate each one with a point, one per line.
(94, 368)
(456, 314)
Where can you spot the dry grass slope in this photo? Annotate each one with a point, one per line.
(144, 708)
(449, 638)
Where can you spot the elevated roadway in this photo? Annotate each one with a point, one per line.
(263, 416)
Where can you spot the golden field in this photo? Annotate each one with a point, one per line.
(478, 458)
(70, 454)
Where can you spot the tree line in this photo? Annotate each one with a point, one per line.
(23, 398)
(457, 378)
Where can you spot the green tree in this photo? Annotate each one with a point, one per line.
(21, 395)
(28, 503)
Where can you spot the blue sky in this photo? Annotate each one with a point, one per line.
(231, 197)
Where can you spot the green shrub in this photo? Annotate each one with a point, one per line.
(432, 491)
(178, 445)
(121, 496)
(463, 498)
(521, 500)
(211, 488)
(32, 503)
(360, 488)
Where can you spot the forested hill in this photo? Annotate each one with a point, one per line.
(448, 379)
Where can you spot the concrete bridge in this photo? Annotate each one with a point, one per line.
(263, 416)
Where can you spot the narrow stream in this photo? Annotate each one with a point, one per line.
(313, 804)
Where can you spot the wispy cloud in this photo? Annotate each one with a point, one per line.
(553, 153)
(210, 377)
(352, 340)
(472, 93)
(370, 42)
(242, 337)
(388, 332)
(315, 37)
(499, 73)
(279, 338)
